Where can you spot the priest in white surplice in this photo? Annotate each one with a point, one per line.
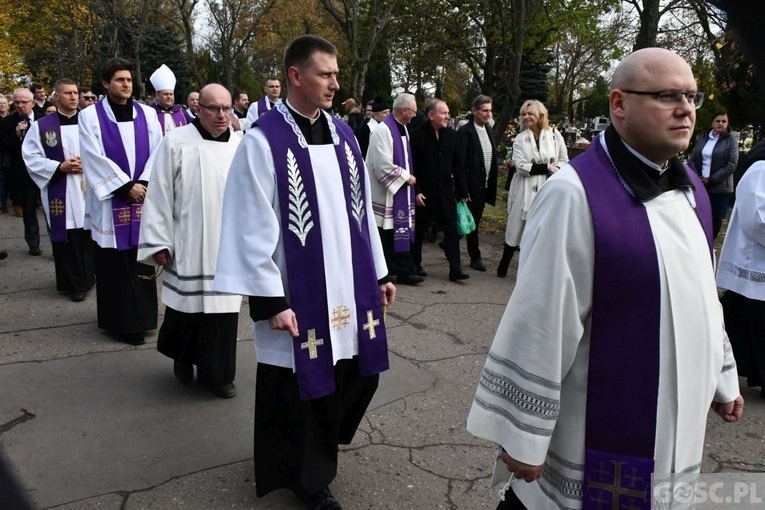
(117, 137)
(300, 239)
(180, 230)
(612, 346)
(51, 152)
(389, 159)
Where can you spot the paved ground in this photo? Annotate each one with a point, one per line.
(90, 423)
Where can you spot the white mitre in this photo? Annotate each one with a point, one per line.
(163, 79)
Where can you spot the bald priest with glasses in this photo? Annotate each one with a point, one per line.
(592, 392)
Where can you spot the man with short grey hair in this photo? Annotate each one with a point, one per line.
(21, 187)
(389, 159)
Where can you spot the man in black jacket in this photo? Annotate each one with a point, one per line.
(22, 188)
(434, 156)
(477, 161)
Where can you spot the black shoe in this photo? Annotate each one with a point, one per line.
(477, 265)
(226, 390)
(419, 271)
(323, 500)
(3, 255)
(504, 263)
(455, 276)
(411, 279)
(78, 296)
(134, 338)
(35, 252)
(183, 372)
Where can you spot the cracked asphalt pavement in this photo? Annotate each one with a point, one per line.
(90, 423)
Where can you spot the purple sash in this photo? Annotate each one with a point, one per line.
(179, 115)
(623, 374)
(126, 215)
(303, 249)
(403, 199)
(263, 106)
(53, 145)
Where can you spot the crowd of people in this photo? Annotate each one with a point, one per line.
(273, 200)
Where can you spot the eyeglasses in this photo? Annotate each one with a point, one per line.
(88, 98)
(671, 99)
(217, 109)
(22, 101)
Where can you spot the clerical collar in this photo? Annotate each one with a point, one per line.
(401, 127)
(292, 109)
(316, 131)
(640, 175)
(67, 120)
(122, 112)
(206, 135)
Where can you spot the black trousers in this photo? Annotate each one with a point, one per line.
(75, 262)
(296, 441)
(399, 263)
(207, 340)
(125, 303)
(28, 193)
(745, 325)
(451, 242)
(511, 501)
(476, 209)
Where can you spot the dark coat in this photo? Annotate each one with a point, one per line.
(18, 177)
(362, 136)
(434, 160)
(471, 164)
(724, 161)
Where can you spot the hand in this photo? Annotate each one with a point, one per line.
(730, 411)
(234, 120)
(163, 258)
(137, 192)
(521, 471)
(705, 181)
(420, 200)
(21, 127)
(71, 166)
(387, 294)
(553, 168)
(411, 181)
(285, 321)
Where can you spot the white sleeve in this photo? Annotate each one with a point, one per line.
(380, 161)
(40, 168)
(102, 175)
(250, 241)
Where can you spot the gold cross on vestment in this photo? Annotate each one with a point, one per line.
(139, 211)
(340, 317)
(56, 206)
(311, 344)
(615, 488)
(124, 216)
(371, 324)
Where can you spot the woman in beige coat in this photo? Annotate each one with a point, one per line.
(538, 152)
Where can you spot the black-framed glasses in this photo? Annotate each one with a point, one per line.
(89, 98)
(669, 99)
(217, 109)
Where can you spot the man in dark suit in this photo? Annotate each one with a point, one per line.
(434, 156)
(477, 161)
(40, 99)
(22, 188)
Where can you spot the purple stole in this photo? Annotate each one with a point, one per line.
(126, 215)
(303, 250)
(403, 199)
(623, 374)
(178, 114)
(53, 145)
(263, 106)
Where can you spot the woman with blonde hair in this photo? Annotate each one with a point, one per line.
(538, 152)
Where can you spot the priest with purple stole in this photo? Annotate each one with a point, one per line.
(612, 347)
(51, 152)
(117, 137)
(298, 237)
(169, 114)
(389, 159)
